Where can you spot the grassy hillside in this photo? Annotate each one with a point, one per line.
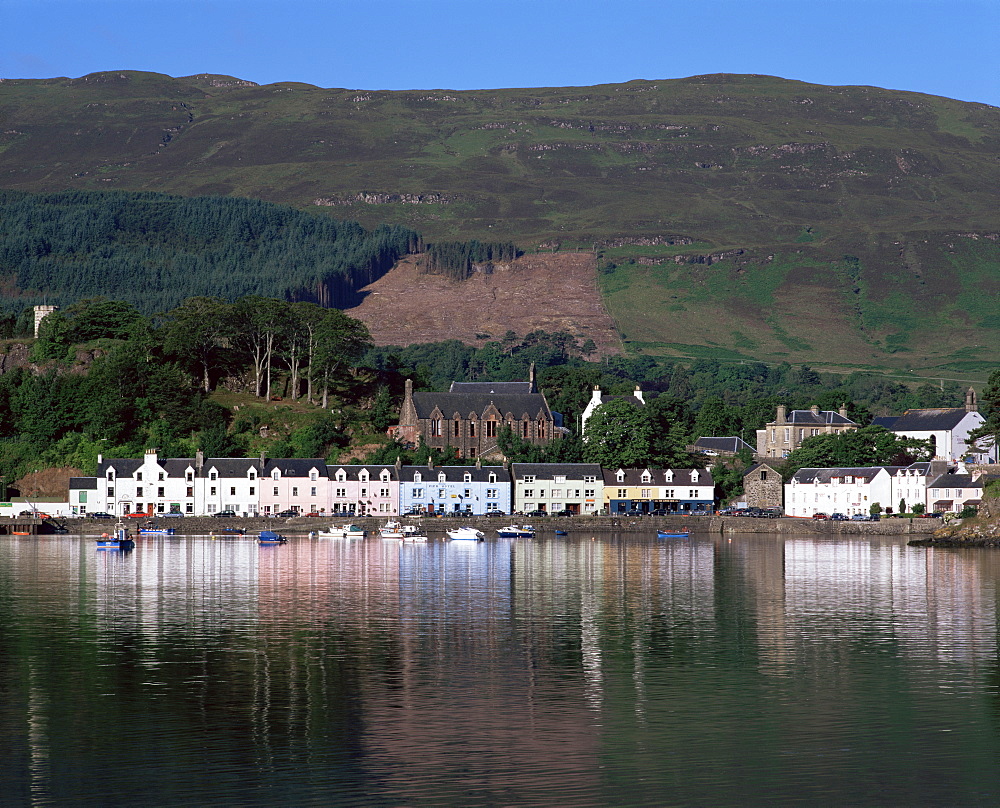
(747, 216)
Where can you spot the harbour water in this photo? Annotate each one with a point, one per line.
(586, 670)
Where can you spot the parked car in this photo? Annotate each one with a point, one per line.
(312, 513)
(100, 515)
(224, 514)
(770, 513)
(859, 517)
(536, 514)
(173, 514)
(136, 515)
(837, 517)
(287, 514)
(568, 513)
(819, 515)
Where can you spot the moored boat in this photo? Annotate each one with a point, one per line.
(270, 537)
(466, 534)
(156, 530)
(516, 532)
(119, 539)
(347, 531)
(673, 534)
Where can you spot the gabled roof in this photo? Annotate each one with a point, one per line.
(757, 466)
(517, 404)
(123, 466)
(491, 388)
(548, 471)
(83, 483)
(925, 420)
(823, 476)
(633, 477)
(821, 418)
(956, 481)
(292, 467)
(731, 444)
(237, 466)
(353, 473)
(454, 474)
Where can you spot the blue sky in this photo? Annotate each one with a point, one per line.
(943, 48)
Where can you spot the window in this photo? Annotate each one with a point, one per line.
(212, 491)
(692, 494)
(528, 479)
(212, 476)
(559, 479)
(276, 475)
(456, 428)
(253, 474)
(589, 478)
(252, 490)
(312, 476)
(441, 477)
(138, 506)
(589, 492)
(418, 493)
(467, 493)
(138, 491)
(295, 491)
(620, 476)
(160, 476)
(159, 491)
(541, 430)
(189, 477)
(622, 493)
(694, 476)
(646, 477)
(557, 493)
(645, 493)
(312, 491)
(787, 434)
(669, 493)
(417, 478)
(189, 508)
(441, 494)
(529, 492)
(340, 492)
(435, 427)
(492, 478)
(190, 491)
(383, 493)
(491, 429)
(232, 491)
(111, 476)
(111, 492)
(669, 477)
(763, 476)
(524, 429)
(275, 490)
(472, 429)
(466, 478)
(491, 493)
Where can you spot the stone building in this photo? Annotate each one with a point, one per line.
(762, 487)
(785, 433)
(470, 415)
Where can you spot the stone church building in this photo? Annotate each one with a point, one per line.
(470, 415)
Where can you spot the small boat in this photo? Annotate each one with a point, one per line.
(348, 531)
(117, 540)
(156, 530)
(466, 534)
(516, 532)
(270, 537)
(562, 533)
(673, 534)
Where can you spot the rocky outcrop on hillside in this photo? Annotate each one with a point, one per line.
(982, 530)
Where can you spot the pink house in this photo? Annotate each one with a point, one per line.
(295, 485)
(364, 490)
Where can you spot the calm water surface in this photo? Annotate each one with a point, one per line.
(618, 670)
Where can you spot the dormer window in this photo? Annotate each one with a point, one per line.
(466, 478)
(363, 476)
(253, 474)
(384, 476)
(620, 476)
(417, 478)
(441, 477)
(312, 476)
(493, 477)
(669, 476)
(111, 476)
(646, 477)
(694, 476)
(276, 474)
(341, 475)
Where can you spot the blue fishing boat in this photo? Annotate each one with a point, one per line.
(673, 534)
(119, 539)
(156, 530)
(516, 532)
(270, 537)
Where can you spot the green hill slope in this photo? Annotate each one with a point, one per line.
(748, 216)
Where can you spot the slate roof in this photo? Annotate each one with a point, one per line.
(454, 474)
(491, 388)
(123, 466)
(517, 404)
(732, 444)
(548, 471)
(824, 476)
(956, 481)
(83, 483)
(353, 472)
(924, 420)
(633, 477)
(822, 418)
(291, 467)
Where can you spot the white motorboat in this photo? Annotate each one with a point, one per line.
(466, 534)
(348, 531)
(516, 532)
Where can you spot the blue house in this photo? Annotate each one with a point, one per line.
(476, 490)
